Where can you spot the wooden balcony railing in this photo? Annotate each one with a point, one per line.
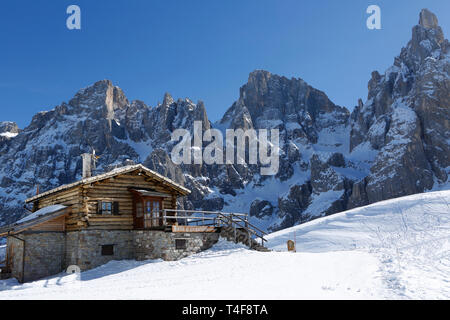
(216, 219)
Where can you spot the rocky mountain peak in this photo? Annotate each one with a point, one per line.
(168, 100)
(428, 19)
(427, 41)
(404, 119)
(8, 130)
(258, 79)
(102, 94)
(8, 126)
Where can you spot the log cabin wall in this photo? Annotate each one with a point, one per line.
(72, 198)
(54, 225)
(116, 189)
(84, 201)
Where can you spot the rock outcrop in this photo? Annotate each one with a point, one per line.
(406, 119)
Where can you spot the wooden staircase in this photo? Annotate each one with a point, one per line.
(238, 229)
(235, 227)
(241, 235)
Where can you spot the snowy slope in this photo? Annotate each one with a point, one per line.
(409, 236)
(397, 249)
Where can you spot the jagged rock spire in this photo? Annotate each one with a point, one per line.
(428, 19)
(168, 100)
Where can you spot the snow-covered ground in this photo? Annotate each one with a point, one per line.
(398, 249)
(409, 237)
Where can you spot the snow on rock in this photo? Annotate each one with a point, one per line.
(9, 134)
(405, 119)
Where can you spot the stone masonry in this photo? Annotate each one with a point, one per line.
(49, 253)
(158, 244)
(37, 255)
(84, 248)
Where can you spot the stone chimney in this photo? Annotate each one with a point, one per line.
(87, 165)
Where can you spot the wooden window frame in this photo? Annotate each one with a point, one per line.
(113, 208)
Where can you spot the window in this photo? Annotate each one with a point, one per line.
(108, 250)
(180, 244)
(108, 207)
(156, 220)
(105, 207)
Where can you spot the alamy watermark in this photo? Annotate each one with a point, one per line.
(260, 147)
(73, 22)
(374, 21)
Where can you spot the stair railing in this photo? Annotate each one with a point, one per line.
(243, 224)
(234, 220)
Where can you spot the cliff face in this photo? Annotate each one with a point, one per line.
(396, 143)
(313, 140)
(406, 119)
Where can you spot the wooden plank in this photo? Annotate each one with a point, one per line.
(110, 227)
(193, 229)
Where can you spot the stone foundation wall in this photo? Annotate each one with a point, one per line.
(162, 245)
(84, 248)
(49, 253)
(44, 255)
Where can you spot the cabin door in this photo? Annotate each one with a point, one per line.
(148, 212)
(153, 214)
(139, 214)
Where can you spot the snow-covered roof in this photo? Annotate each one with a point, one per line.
(182, 190)
(42, 212)
(40, 216)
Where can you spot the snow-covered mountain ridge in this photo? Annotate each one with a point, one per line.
(396, 143)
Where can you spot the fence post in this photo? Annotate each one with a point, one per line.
(248, 231)
(234, 227)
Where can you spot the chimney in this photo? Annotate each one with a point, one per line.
(87, 165)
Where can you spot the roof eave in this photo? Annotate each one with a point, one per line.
(15, 228)
(180, 189)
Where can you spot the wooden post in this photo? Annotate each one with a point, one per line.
(249, 235)
(232, 221)
(295, 242)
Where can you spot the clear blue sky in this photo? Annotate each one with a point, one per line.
(201, 49)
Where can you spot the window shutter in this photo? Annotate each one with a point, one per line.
(99, 207)
(116, 208)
